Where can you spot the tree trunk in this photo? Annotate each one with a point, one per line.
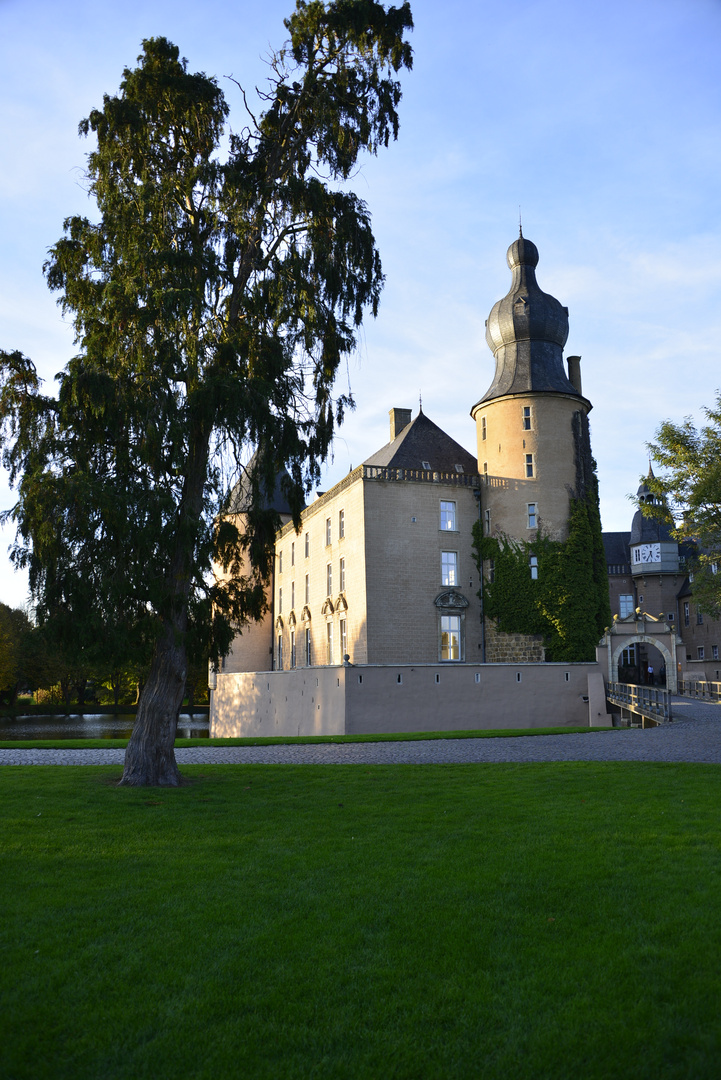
(150, 756)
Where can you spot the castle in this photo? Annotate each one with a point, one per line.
(379, 592)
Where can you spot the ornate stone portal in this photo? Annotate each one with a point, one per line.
(638, 627)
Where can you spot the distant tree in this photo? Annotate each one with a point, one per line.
(16, 653)
(690, 490)
(214, 298)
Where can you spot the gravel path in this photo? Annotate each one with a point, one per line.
(694, 736)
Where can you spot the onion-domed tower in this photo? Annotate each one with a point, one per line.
(532, 426)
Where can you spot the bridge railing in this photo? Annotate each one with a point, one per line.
(646, 701)
(698, 688)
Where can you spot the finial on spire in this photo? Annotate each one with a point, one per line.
(420, 402)
(520, 225)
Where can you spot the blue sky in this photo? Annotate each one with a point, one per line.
(601, 120)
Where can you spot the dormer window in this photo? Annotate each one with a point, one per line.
(459, 468)
(427, 466)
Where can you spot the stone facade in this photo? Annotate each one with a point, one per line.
(513, 648)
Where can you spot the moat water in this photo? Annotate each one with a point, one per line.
(90, 726)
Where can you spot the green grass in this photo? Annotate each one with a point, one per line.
(290, 740)
(495, 921)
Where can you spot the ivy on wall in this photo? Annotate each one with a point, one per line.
(568, 602)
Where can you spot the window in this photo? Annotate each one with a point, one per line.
(449, 567)
(700, 652)
(292, 648)
(329, 642)
(292, 596)
(307, 545)
(483, 428)
(448, 516)
(485, 471)
(280, 603)
(491, 570)
(329, 579)
(671, 616)
(714, 568)
(637, 555)
(487, 517)
(714, 652)
(308, 652)
(533, 564)
(307, 588)
(526, 417)
(341, 524)
(450, 637)
(280, 653)
(686, 614)
(343, 639)
(342, 575)
(699, 617)
(532, 515)
(426, 465)
(628, 657)
(327, 532)
(529, 464)
(280, 562)
(625, 605)
(292, 554)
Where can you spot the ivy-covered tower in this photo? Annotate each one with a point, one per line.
(534, 452)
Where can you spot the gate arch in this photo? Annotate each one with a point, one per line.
(640, 628)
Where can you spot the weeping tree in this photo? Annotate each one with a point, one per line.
(214, 295)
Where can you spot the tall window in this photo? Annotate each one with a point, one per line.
(343, 639)
(280, 652)
(714, 652)
(699, 617)
(327, 532)
(483, 427)
(487, 518)
(686, 614)
(307, 545)
(280, 562)
(700, 652)
(292, 554)
(485, 471)
(329, 642)
(491, 570)
(308, 649)
(448, 516)
(625, 605)
(533, 564)
(280, 602)
(526, 417)
(292, 595)
(450, 637)
(628, 656)
(292, 648)
(529, 464)
(532, 515)
(342, 575)
(307, 588)
(449, 568)
(341, 524)
(329, 579)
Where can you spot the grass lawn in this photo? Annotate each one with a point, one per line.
(494, 921)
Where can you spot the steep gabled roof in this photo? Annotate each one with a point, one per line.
(240, 495)
(423, 441)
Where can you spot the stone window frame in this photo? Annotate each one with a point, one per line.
(448, 516)
(530, 466)
(307, 545)
(484, 429)
(341, 524)
(532, 512)
(449, 569)
(533, 566)
(329, 579)
(625, 600)
(451, 603)
(341, 575)
(328, 531)
(526, 417)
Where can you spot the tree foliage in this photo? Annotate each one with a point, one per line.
(568, 602)
(690, 491)
(213, 297)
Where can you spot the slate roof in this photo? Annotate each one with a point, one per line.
(240, 494)
(420, 441)
(615, 544)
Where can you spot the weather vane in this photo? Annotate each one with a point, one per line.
(520, 226)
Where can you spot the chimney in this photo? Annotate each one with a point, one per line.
(574, 372)
(400, 419)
